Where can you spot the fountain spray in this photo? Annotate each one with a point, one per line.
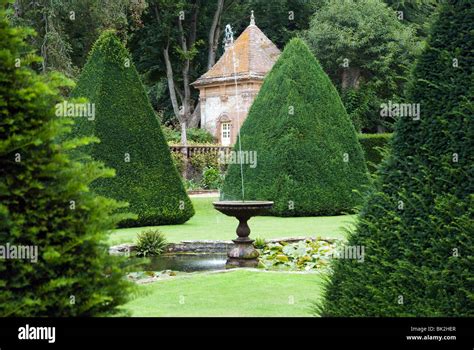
(229, 38)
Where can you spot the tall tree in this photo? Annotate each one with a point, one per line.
(52, 42)
(66, 30)
(417, 227)
(46, 208)
(172, 29)
(366, 50)
(214, 34)
(420, 13)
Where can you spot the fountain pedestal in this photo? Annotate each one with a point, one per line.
(243, 254)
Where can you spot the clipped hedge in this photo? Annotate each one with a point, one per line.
(131, 138)
(373, 145)
(309, 161)
(417, 226)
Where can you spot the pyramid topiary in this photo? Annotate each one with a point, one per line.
(131, 138)
(417, 227)
(308, 158)
(53, 231)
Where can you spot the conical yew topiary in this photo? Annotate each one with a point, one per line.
(131, 138)
(304, 149)
(417, 227)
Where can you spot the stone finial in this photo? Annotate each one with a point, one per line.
(252, 19)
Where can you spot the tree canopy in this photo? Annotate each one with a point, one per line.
(366, 50)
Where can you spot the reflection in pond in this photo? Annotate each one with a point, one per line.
(186, 262)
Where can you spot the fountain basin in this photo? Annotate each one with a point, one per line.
(250, 208)
(243, 254)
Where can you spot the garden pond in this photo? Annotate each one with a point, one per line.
(307, 255)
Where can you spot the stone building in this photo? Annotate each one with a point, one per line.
(226, 96)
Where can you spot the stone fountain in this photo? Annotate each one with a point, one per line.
(243, 254)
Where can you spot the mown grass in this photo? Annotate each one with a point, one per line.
(235, 293)
(208, 223)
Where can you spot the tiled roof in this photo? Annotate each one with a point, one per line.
(254, 53)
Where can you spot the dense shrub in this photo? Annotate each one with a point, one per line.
(309, 161)
(131, 138)
(171, 135)
(45, 203)
(150, 243)
(417, 227)
(198, 135)
(211, 179)
(197, 165)
(373, 146)
(363, 106)
(200, 161)
(192, 185)
(194, 135)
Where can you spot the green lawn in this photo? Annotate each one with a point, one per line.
(234, 293)
(208, 223)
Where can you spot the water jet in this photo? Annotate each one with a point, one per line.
(243, 254)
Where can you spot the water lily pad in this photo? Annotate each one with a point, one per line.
(303, 255)
(275, 246)
(282, 257)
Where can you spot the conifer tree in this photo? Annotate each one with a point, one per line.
(131, 140)
(417, 226)
(53, 257)
(309, 161)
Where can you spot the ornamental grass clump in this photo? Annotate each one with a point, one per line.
(150, 243)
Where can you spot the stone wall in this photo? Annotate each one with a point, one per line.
(206, 246)
(221, 103)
